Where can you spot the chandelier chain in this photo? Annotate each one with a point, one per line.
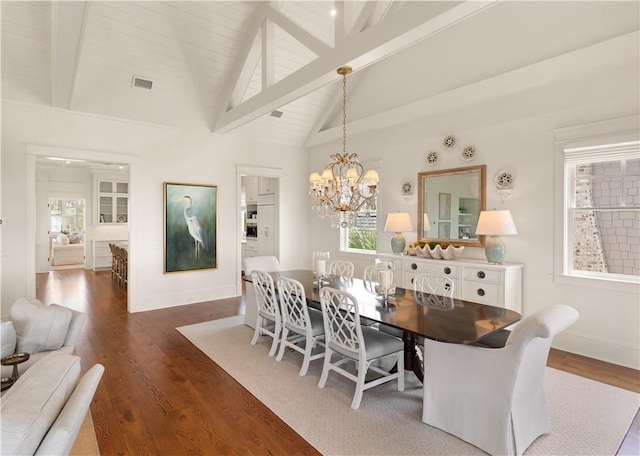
(344, 114)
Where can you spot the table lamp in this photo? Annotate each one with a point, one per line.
(397, 222)
(495, 224)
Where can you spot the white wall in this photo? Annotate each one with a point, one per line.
(157, 155)
(516, 134)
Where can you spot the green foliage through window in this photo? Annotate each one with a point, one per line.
(362, 238)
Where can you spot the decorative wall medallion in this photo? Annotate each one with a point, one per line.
(407, 188)
(432, 158)
(449, 142)
(468, 153)
(504, 179)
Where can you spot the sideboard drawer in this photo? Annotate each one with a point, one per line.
(483, 274)
(441, 267)
(482, 292)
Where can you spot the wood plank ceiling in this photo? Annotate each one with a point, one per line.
(226, 65)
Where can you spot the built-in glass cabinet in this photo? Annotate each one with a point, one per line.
(113, 201)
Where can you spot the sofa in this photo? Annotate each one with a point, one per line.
(67, 250)
(43, 411)
(38, 329)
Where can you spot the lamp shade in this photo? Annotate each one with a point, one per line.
(495, 223)
(398, 222)
(426, 226)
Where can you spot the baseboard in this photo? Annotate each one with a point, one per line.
(610, 351)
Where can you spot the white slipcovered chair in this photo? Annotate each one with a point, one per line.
(43, 411)
(299, 323)
(38, 329)
(341, 268)
(269, 320)
(347, 338)
(494, 398)
(262, 263)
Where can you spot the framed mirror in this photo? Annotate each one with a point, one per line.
(449, 204)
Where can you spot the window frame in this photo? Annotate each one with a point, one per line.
(76, 217)
(344, 232)
(585, 139)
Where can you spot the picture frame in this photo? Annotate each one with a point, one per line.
(444, 206)
(190, 227)
(444, 230)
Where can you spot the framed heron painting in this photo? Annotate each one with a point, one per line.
(190, 227)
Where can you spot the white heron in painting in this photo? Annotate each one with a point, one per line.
(195, 229)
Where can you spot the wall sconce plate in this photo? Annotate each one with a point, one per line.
(449, 142)
(468, 153)
(504, 180)
(407, 188)
(432, 158)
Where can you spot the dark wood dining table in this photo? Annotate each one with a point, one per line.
(415, 314)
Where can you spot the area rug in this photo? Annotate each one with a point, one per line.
(587, 417)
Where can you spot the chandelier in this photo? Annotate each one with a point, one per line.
(344, 188)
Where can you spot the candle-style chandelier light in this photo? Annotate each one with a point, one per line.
(344, 188)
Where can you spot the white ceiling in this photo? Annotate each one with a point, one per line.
(225, 65)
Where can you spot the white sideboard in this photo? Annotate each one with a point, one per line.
(473, 280)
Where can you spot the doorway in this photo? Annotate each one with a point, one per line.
(38, 217)
(258, 203)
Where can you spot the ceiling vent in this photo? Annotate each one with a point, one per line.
(276, 113)
(142, 83)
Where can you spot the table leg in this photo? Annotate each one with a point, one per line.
(411, 358)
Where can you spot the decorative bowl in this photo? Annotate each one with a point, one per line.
(437, 253)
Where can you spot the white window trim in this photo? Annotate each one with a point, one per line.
(594, 134)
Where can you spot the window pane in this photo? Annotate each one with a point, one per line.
(363, 235)
(632, 184)
(606, 241)
(599, 184)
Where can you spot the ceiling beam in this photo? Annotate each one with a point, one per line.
(300, 34)
(241, 73)
(410, 24)
(67, 29)
(612, 53)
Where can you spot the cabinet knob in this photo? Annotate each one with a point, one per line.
(481, 274)
(414, 266)
(412, 280)
(480, 292)
(447, 270)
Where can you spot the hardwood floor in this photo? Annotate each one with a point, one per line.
(161, 395)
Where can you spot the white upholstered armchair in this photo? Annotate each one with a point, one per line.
(38, 329)
(494, 398)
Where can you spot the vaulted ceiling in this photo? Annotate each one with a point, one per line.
(226, 65)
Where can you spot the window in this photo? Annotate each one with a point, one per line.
(363, 236)
(66, 215)
(602, 210)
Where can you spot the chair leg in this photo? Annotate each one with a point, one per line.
(401, 371)
(285, 334)
(325, 367)
(257, 331)
(276, 336)
(309, 344)
(362, 373)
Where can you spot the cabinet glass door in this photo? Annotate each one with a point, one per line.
(106, 209)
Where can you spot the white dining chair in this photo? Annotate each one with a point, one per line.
(269, 321)
(262, 263)
(341, 268)
(434, 291)
(494, 398)
(351, 342)
(299, 323)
